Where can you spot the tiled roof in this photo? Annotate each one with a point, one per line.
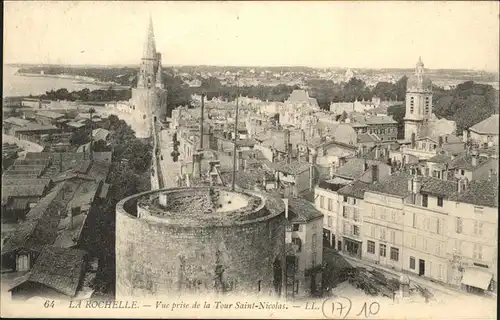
(355, 189)
(395, 185)
(294, 167)
(50, 114)
(24, 190)
(17, 121)
(100, 134)
(60, 269)
(355, 167)
(301, 210)
(301, 96)
(438, 187)
(367, 138)
(36, 127)
(440, 158)
(7, 181)
(479, 192)
(245, 179)
(42, 218)
(464, 161)
(487, 126)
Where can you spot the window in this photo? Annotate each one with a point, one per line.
(477, 252)
(297, 242)
(370, 247)
(296, 227)
(414, 220)
(478, 209)
(353, 200)
(480, 229)
(458, 247)
(412, 263)
(440, 271)
(394, 254)
(330, 221)
(393, 215)
(314, 238)
(356, 214)
(382, 214)
(22, 263)
(424, 244)
(424, 200)
(345, 199)
(372, 231)
(346, 228)
(382, 250)
(475, 231)
(330, 204)
(413, 242)
(355, 230)
(459, 225)
(462, 172)
(322, 202)
(373, 211)
(440, 201)
(382, 234)
(393, 236)
(313, 259)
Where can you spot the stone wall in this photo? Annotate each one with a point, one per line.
(154, 258)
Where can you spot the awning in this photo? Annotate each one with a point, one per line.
(476, 277)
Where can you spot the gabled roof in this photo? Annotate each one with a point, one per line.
(438, 187)
(479, 192)
(59, 269)
(440, 158)
(293, 168)
(16, 121)
(50, 114)
(355, 167)
(355, 189)
(396, 185)
(301, 210)
(464, 161)
(487, 126)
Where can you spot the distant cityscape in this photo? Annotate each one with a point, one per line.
(287, 182)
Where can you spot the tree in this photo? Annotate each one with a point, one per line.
(79, 138)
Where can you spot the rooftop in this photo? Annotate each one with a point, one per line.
(487, 126)
(50, 114)
(479, 192)
(355, 189)
(205, 206)
(301, 210)
(293, 168)
(59, 269)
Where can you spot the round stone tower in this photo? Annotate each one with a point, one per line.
(192, 241)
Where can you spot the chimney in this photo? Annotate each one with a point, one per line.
(377, 152)
(60, 162)
(332, 170)
(201, 119)
(70, 219)
(303, 135)
(365, 165)
(313, 157)
(413, 138)
(285, 201)
(417, 184)
(197, 164)
(374, 173)
(474, 158)
(440, 141)
(311, 177)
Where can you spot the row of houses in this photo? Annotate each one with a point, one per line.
(50, 201)
(441, 227)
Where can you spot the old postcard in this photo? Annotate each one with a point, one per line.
(297, 160)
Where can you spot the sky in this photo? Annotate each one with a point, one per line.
(447, 35)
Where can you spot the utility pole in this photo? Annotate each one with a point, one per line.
(235, 134)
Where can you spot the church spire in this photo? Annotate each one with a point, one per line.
(150, 46)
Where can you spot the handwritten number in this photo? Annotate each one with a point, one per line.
(373, 309)
(362, 309)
